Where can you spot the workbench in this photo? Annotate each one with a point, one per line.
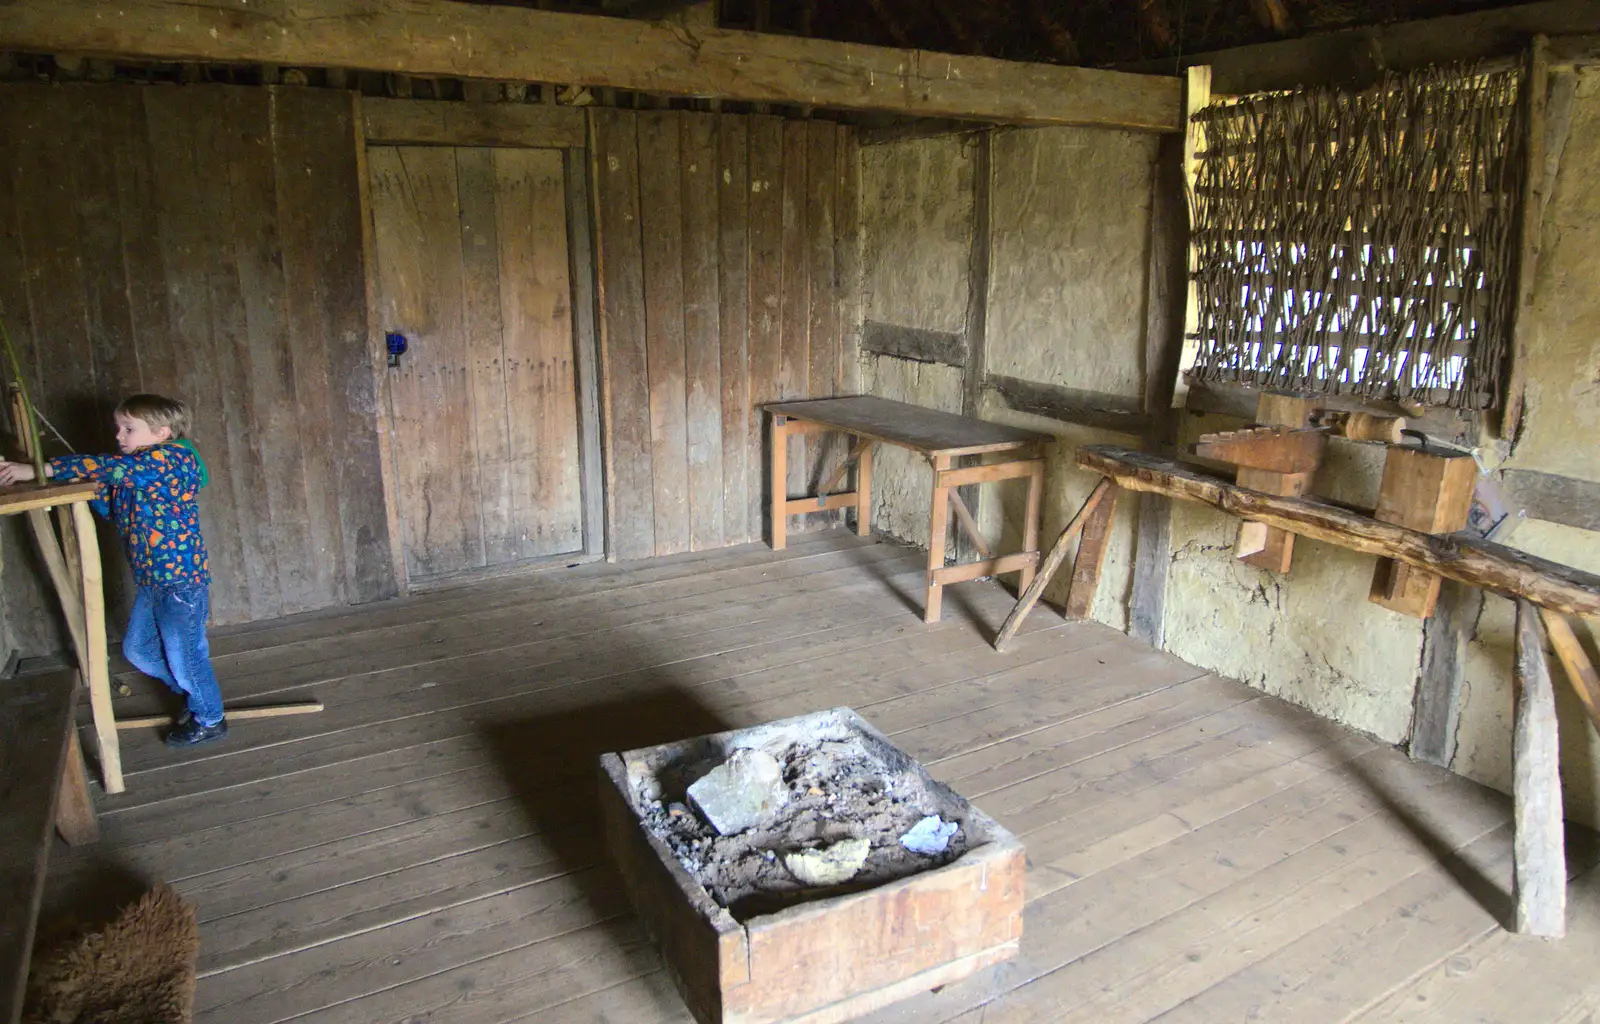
(940, 437)
(73, 562)
(1544, 592)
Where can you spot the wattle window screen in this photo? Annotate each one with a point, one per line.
(1362, 243)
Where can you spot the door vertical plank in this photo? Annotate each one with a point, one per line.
(630, 486)
(733, 295)
(541, 381)
(701, 331)
(766, 301)
(489, 398)
(418, 239)
(661, 201)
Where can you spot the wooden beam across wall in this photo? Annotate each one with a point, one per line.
(441, 38)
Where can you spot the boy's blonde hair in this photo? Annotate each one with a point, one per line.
(157, 411)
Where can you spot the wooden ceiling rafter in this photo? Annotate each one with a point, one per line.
(444, 39)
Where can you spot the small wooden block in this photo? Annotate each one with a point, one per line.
(1272, 549)
(1426, 491)
(1276, 551)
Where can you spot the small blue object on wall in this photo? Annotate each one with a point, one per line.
(396, 343)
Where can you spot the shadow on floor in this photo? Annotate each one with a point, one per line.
(553, 765)
(1490, 893)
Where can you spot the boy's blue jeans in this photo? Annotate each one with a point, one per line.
(166, 639)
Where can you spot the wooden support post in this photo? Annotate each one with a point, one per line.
(1052, 562)
(780, 481)
(92, 659)
(864, 492)
(938, 525)
(1580, 670)
(1530, 226)
(1196, 97)
(74, 806)
(1445, 636)
(1030, 521)
(1540, 870)
(69, 541)
(1091, 557)
(66, 585)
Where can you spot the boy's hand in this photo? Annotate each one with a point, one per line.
(15, 473)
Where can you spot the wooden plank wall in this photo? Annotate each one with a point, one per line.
(727, 253)
(205, 242)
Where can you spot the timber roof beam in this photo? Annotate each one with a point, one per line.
(443, 38)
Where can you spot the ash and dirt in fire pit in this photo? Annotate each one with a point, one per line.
(839, 788)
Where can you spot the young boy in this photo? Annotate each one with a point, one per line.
(148, 493)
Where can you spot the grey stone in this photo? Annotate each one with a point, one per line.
(740, 793)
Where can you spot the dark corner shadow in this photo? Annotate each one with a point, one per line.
(552, 763)
(101, 887)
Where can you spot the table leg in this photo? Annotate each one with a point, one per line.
(64, 581)
(92, 661)
(1030, 522)
(780, 481)
(74, 806)
(938, 525)
(864, 490)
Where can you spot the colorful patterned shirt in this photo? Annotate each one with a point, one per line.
(149, 496)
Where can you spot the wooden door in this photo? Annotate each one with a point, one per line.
(472, 267)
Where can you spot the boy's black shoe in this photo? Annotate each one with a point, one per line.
(190, 733)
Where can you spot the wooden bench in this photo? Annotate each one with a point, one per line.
(42, 784)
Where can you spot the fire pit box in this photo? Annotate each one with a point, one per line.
(833, 958)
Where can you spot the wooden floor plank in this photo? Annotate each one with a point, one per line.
(424, 849)
(1505, 978)
(310, 979)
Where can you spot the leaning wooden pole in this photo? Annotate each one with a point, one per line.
(1540, 871)
(1580, 670)
(1052, 562)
